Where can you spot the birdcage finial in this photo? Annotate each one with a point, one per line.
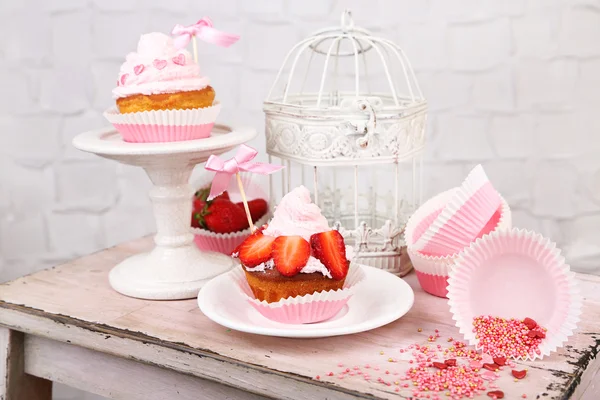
(347, 21)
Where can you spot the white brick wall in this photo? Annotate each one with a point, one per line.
(512, 84)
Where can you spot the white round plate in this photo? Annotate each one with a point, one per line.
(380, 299)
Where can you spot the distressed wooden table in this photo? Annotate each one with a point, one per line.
(67, 325)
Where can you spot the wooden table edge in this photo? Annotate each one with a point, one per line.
(103, 329)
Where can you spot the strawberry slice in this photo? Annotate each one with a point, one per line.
(329, 248)
(290, 254)
(256, 249)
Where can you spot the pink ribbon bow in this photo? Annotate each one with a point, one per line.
(203, 30)
(240, 162)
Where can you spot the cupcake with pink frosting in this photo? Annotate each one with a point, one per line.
(161, 94)
(296, 269)
(296, 253)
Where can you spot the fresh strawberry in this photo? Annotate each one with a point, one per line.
(219, 215)
(330, 249)
(258, 208)
(290, 254)
(197, 207)
(223, 216)
(256, 249)
(235, 253)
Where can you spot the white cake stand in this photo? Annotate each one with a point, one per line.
(175, 268)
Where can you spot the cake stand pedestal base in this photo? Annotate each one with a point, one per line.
(175, 268)
(144, 275)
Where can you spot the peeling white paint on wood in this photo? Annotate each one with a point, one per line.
(15, 384)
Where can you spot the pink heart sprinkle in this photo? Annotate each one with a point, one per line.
(123, 78)
(160, 64)
(476, 364)
(138, 69)
(487, 359)
(489, 376)
(179, 60)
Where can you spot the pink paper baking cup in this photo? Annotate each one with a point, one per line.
(307, 309)
(164, 125)
(162, 133)
(223, 242)
(227, 242)
(515, 274)
(420, 221)
(462, 218)
(433, 284)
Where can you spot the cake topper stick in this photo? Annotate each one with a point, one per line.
(245, 201)
(242, 161)
(203, 29)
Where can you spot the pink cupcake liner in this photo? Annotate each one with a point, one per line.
(227, 242)
(462, 218)
(164, 125)
(307, 309)
(162, 133)
(515, 274)
(420, 221)
(223, 242)
(433, 284)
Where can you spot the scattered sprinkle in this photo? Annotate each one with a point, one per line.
(502, 337)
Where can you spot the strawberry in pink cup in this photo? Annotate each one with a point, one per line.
(221, 225)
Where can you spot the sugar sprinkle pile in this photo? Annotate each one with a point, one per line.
(454, 371)
(508, 337)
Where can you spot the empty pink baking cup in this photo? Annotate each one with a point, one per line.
(164, 125)
(463, 217)
(307, 309)
(515, 274)
(432, 271)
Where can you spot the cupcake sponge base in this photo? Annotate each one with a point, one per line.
(271, 287)
(167, 101)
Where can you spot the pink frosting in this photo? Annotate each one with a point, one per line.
(296, 214)
(158, 67)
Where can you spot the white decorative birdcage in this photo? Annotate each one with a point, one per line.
(347, 118)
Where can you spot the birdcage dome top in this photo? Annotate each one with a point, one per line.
(334, 67)
(345, 96)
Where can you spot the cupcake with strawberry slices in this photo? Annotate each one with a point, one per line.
(297, 269)
(221, 224)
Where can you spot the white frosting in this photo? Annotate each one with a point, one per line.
(270, 264)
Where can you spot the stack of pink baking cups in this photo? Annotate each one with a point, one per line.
(448, 223)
